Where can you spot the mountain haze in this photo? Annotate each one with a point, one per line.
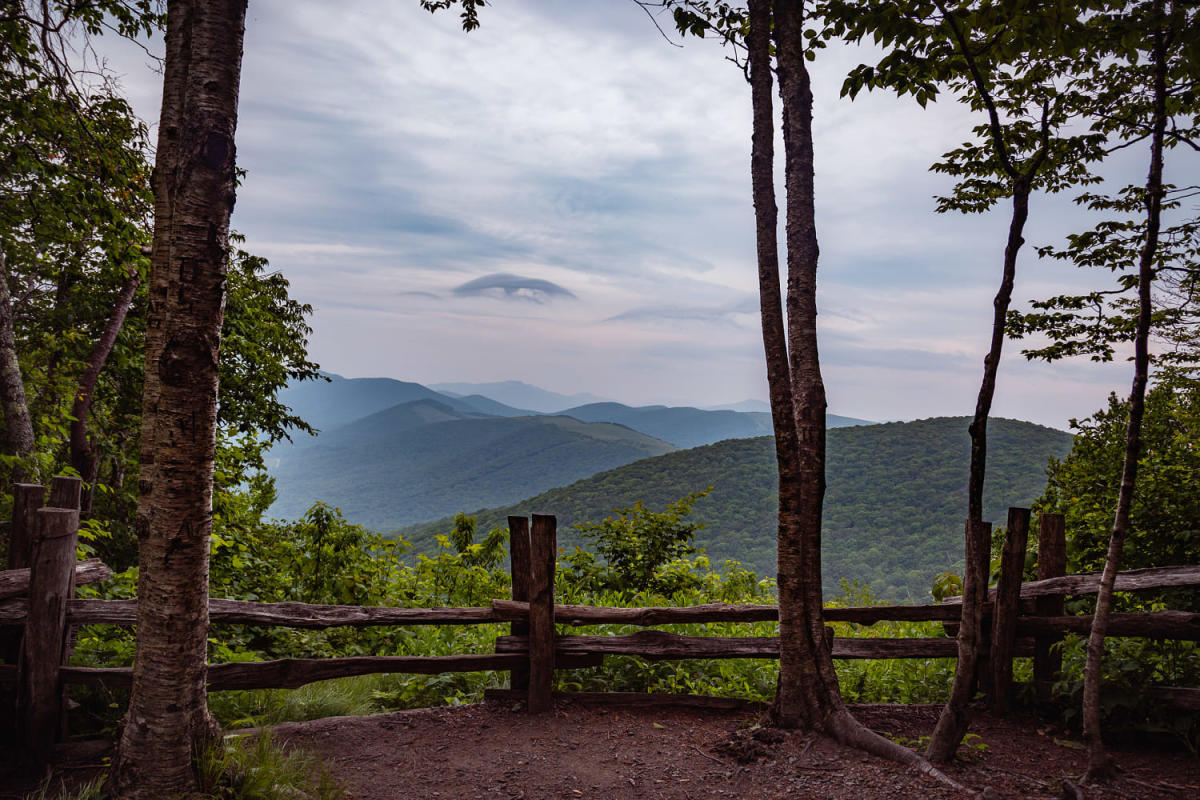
(424, 459)
(327, 404)
(688, 427)
(520, 394)
(391, 453)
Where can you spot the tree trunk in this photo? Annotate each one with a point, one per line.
(83, 459)
(167, 722)
(808, 693)
(953, 721)
(808, 690)
(18, 428)
(1100, 765)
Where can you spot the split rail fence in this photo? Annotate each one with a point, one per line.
(39, 613)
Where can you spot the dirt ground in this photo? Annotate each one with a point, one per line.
(592, 751)
(602, 751)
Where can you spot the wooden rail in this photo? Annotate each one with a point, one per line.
(1133, 580)
(662, 646)
(15, 582)
(284, 615)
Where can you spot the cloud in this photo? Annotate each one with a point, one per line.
(570, 136)
(513, 287)
(723, 314)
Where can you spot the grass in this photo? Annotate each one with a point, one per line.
(259, 769)
(234, 768)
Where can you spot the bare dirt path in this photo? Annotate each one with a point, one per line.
(619, 753)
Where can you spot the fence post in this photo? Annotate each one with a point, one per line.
(518, 552)
(27, 499)
(52, 571)
(1007, 607)
(543, 547)
(1052, 563)
(65, 492)
(974, 628)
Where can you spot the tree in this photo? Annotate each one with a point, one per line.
(1164, 520)
(808, 692)
(1166, 30)
(1005, 60)
(638, 542)
(73, 198)
(194, 186)
(1139, 85)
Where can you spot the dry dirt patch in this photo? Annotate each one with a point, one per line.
(617, 753)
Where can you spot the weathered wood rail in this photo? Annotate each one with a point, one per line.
(1025, 620)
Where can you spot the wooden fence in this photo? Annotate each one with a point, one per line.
(38, 614)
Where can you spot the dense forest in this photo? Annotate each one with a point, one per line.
(894, 503)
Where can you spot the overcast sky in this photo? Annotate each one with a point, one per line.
(562, 197)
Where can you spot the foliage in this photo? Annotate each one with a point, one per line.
(1006, 61)
(1165, 519)
(236, 768)
(1116, 92)
(1130, 668)
(637, 543)
(893, 506)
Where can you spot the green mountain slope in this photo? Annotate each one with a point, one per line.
(894, 506)
(687, 427)
(425, 459)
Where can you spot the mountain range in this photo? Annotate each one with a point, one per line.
(391, 453)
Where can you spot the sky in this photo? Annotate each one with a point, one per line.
(562, 197)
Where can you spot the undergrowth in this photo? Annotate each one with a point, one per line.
(358, 568)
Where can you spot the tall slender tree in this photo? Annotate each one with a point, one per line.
(194, 181)
(808, 694)
(1004, 60)
(1139, 85)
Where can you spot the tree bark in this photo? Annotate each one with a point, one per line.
(18, 427)
(953, 721)
(167, 722)
(808, 688)
(1100, 766)
(83, 459)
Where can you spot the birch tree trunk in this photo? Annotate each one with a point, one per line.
(18, 427)
(167, 722)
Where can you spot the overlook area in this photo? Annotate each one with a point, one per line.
(666, 398)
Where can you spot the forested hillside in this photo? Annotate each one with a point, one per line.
(424, 459)
(893, 509)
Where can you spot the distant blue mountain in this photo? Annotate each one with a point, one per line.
(336, 401)
(689, 427)
(519, 395)
(745, 405)
(425, 459)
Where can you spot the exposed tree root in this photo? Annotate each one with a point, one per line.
(1101, 767)
(849, 731)
(1072, 790)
